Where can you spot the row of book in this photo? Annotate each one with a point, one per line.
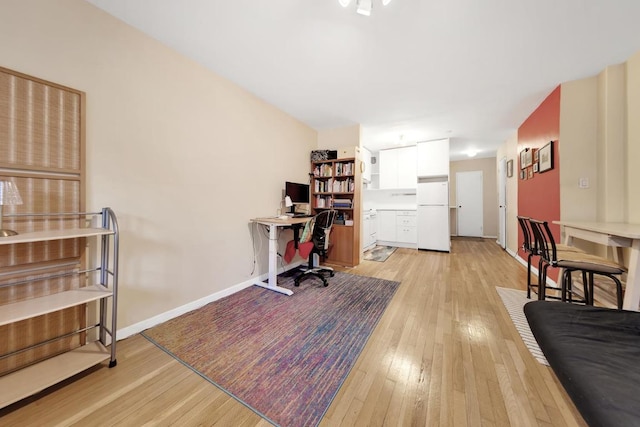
(323, 170)
(334, 186)
(342, 169)
(322, 202)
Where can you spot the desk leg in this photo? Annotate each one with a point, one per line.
(272, 283)
(632, 292)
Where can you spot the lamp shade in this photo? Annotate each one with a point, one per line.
(9, 194)
(344, 3)
(287, 201)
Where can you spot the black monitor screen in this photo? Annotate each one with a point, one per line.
(299, 193)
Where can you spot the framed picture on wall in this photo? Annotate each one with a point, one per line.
(535, 167)
(530, 172)
(546, 157)
(510, 168)
(526, 158)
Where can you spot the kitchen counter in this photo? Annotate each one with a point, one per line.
(397, 208)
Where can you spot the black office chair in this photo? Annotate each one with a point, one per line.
(320, 238)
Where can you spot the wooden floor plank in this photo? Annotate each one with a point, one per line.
(444, 353)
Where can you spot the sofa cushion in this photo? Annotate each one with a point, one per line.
(594, 352)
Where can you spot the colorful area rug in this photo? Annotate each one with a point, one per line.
(514, 301)
(379, 253)
(285, 357)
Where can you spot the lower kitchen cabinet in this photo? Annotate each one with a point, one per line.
(397, 228)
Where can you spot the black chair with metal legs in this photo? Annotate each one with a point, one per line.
(588, 265)
(528, 246)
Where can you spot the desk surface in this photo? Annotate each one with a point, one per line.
(630, 231)
(274, 220)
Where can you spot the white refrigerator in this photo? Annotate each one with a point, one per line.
(433, 214)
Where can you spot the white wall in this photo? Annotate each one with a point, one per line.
(509, 150)
(183, 156)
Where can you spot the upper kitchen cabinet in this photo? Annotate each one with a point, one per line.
(433, 158)
(398, 168)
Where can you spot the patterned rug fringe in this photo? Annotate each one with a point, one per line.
(514, 300)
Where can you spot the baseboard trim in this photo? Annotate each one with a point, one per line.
(179, 311)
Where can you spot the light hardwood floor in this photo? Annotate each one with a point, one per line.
(445, 353)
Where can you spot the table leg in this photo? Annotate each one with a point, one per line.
(632, 292)
(272, 283)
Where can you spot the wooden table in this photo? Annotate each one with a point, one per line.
(617, 235)
(273, 223)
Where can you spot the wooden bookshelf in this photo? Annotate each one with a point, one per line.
(337, 184)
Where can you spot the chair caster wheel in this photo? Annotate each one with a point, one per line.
(326, 283)
(296, 283)
(332, 274)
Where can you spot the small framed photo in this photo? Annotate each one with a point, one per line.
(525, 158)
(546, 158)
(535, 155)
(530, 172)
(523, 174)
(535, 167)
(510, 168)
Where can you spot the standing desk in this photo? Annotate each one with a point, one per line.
(273, 223)
(617, 235)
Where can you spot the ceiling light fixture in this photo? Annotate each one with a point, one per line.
(363, 7)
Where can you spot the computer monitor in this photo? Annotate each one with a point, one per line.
(298, 193)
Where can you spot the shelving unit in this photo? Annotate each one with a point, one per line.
(337, 184)
(97, 285)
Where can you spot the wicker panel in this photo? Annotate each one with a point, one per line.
(28, 332)
(42, 195)
(42, 152)
(39, 124)
(29, 285)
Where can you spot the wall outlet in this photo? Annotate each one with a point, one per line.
(583, 183)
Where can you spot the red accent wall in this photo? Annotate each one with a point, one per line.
(539, 197)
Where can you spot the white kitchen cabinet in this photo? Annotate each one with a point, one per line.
(433, 158)
(388, 169)
(387, 226)
(406, 227)
(397, 228)
(407, 175)
(398, 168)
(369, 230)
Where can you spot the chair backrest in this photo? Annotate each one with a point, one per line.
(529, 244)
(545, 242)
(321, 229)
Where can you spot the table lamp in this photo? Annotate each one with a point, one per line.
(287, 202)
(9, 196)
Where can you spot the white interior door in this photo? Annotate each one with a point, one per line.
(502, 203)
(470, 203)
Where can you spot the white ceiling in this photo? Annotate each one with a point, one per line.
(469, 70)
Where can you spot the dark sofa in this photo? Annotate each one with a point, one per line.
(595, 353)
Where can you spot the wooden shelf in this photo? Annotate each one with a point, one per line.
(39, 236)
(38, 306)
(35, 378)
